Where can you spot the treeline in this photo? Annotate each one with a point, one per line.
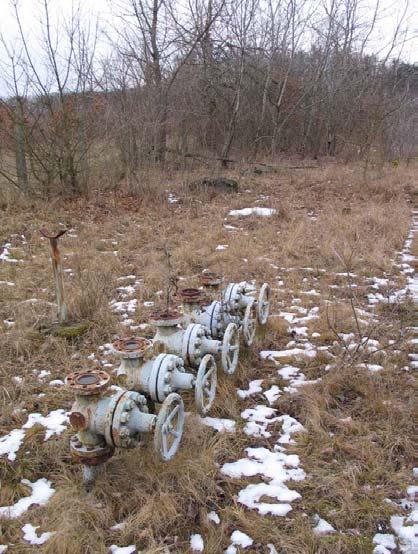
(214, 79)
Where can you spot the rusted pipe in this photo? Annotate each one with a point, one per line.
(58, 272)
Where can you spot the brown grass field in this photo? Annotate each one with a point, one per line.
(357, 447)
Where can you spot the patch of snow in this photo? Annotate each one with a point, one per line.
(278, 468)
(56, 383)
(41, 493)
(114, 549)
(213, 516)
(118, 526)
(238, 538)
(272, 394)
(10, 443)
(386, 540)
(196, 543)
(54, 422)
(264, 212)
(220, 425)
(258, 419)
(322, 527)
(222, 247)
(30, 535)
(253, 388)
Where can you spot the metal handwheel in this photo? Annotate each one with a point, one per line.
(263, 304)
(230, 349)
(206, 381)
(249, 322)
(169, 426)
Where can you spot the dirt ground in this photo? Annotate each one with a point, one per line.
(331, 253)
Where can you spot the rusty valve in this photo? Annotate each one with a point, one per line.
(105, 422)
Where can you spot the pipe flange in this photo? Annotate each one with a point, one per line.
(192, 342)
(210, 278)
(214, 319)
(161, 378)
(193, 296)
(232, 296)
(90, 455)
(122, 434)
(166, 318)
(85, 383)
(132, 347)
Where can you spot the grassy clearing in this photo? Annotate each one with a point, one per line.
(357, 449)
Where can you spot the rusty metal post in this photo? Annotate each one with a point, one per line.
(58, 272)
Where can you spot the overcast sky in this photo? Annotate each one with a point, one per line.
(31, 11)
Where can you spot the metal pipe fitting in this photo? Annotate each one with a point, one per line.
(57, 271)
(210, 280)
(195, 341)
(105, 422)
(161, 375)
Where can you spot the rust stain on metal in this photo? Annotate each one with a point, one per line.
(210, 278)
(87, 382)
(193, 296)
(164, 315)
(57, 271)
(132, 345)
(78, 421)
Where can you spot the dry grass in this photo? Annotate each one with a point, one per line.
(352, 466)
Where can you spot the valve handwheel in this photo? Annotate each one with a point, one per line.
(263, 304)
(206, 381)
(169, 426)
(230, 349)
(249, 322)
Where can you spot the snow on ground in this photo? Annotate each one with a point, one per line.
(274, 466)
(220, 425)
(214, 518)
(10, 443)
(5, 254)
(114, 549)
(30, 535)
(55, 423)
(41, 493)
(264, 212)
(322, 527)
(253, 388)
(238, 538)
(405, 527)
(196, 543)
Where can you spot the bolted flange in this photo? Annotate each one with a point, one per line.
(193, 296)
(210, 279)
(90, 455)
(86, 383)
(132, 347)
(166, 318)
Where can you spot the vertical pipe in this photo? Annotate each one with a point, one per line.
(58, 274)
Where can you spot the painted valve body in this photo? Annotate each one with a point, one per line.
(235, 298)
(157, 376)
(104, 423)
(191, 343)
(211, 314)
